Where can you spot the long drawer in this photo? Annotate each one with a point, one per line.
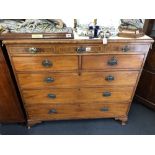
(95, 110)
(85, 79)
(105, 94)
(49, 63)
(99, 62)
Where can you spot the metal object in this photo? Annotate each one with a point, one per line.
(33, 50)
(104, 109)
(106, 94)
(112, 61)
(109, 78)
(47, 63)
(52, 96)
(81, 49)
(49, 79)
(125, 49)
(52, 111)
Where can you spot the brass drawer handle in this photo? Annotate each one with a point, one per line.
(80, 49)
(106, 94)
(49, 79)
(112, 61)
(104, 109)
(33, 50)
(52, 111)
(47, 63)
(109, 78)
(83, 49)
(125, 49)
(52, 96)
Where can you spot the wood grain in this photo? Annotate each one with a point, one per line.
(118, 94)
(101, 62)
(79, 83)
(10, 109)
(77, 111)
(69, 80)
(35, 63)
(131, 48)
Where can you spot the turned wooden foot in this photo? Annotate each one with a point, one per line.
(122, 119)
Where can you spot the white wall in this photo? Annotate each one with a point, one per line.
(102, 22)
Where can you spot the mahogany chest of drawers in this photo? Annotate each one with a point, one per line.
(77, 79)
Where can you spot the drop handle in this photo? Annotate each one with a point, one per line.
(109, 78)
(104, 109)
(106, 94)
(49, 79)
(125, 49)
(47, 63)
(52, 96)
(112, 61)
(52, 111)
(33, 50)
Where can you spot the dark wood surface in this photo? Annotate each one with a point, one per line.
(10, 109)
(80, 88)
(145, 92)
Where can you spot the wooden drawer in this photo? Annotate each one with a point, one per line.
(100, 62)
(106, 94)
(126, 48)
(94, 110)
(50, 63)
(63, 80)
(32, 49)
(55, 49)
(75, 48)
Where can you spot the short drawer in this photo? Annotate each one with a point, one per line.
(100, 62)
(50, 63)
(80, 48)
(126, 48)
(86, 79)
(77, 111)
(106, 94)
(32, 49)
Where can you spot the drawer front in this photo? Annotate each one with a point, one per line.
(119, 94)
(112, 62)
(62, 80)
(80, 48)
(55, 49)
(50, 63)
(126, 48)
(94, 110)
(32, 49)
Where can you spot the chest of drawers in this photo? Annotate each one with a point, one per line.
(77, 79)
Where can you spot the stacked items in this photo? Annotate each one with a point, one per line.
(131, 28)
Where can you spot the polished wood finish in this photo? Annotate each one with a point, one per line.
(36, 63)
(73, 80)
(145, 92)
(98, 82)
(81, 95)
(10, 109)
(127, 47)
(77, 111)
(100, 62)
